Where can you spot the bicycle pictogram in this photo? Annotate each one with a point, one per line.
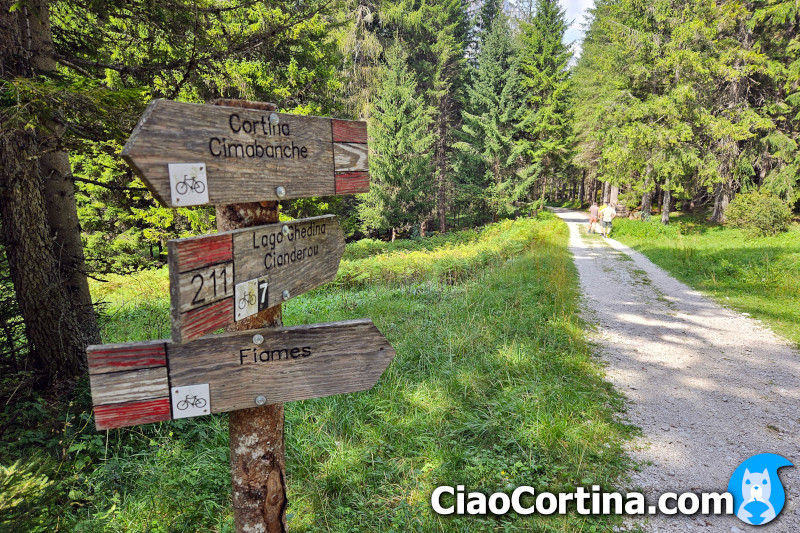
(191, 401)
(190, 183)
(248, 298)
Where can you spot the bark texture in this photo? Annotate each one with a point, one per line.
(258, 458)
(38, 211)
(50, 324)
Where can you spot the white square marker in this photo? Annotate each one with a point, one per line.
(190, 400)
(245, 299)
(188, 184)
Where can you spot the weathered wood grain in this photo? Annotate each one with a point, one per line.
(130, 386)
(198, 322)
(352, 182)
(119, 357)
(119, 415)
(268, 261)
(289, 364)
(349, 131)
(293, 363)
(350, 157)
(202, 252)
(237, 146)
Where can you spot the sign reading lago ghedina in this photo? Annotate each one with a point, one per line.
(225, 277)
(195, 154)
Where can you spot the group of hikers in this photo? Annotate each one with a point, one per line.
(606, 213)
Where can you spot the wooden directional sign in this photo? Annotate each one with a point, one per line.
(194, 154)
(152, 381)
(221, 278)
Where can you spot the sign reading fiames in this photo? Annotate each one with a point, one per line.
(194, 154)
(152, 381)
(225, 277)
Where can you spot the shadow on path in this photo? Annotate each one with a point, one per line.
(708, 386)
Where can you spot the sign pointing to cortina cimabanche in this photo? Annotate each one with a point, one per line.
(152, 381)
(225, 277)
(195, 154)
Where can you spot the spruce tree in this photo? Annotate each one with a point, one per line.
(489, 137)
(544, 60)
(401, 144)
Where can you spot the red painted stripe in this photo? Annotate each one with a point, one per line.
(118, 415)
(204, 251)
(206, 319)
(349, 131)
(126, 357)
(352, 182)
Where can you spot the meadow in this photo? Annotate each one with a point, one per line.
(494, 385)
(755, 275)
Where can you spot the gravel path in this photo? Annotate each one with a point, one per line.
(709, 386)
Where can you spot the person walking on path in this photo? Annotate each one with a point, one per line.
(593, 214)
(608, 215)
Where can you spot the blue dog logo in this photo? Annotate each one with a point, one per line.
(758, 494)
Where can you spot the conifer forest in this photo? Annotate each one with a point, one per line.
(479, 115)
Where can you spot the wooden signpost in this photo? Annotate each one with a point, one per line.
(225, 277)
(152, 381)
(243, 157)
(195, 154)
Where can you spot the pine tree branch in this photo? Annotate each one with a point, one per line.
(112, 187)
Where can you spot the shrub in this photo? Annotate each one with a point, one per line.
(759, 212)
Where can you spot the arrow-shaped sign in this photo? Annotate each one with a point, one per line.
(195, 154)
(152, 381)
(225, 277)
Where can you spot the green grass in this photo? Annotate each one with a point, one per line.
(756, 275)
(493, 386)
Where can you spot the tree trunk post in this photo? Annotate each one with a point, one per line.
(258, 458)
(665, 206)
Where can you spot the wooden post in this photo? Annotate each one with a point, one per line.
(258, 459)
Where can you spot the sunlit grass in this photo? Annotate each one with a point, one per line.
(756, 275)
(493, 386)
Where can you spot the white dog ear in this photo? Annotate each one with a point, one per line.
(746, 472)
(766, 472)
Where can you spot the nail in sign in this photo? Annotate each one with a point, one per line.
(222, 278)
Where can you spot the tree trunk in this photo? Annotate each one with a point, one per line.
(614, 194)
(59, 189)
(257, 449)
(441, 163)
(581, 188)
(647, 197)
(665, 206)
(38, 196)
(51, 327)
(723, 194)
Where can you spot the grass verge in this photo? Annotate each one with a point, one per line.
(756, 275)
(493, 386)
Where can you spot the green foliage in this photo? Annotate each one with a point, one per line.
(113, 57)
(494, 385)
(25, 496)
(696, 98)
(546, 78)
(401, 143)
(760, 275)
(450, 261)
(759, 212)
(493, 170)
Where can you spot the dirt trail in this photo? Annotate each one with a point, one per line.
(709, 386)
